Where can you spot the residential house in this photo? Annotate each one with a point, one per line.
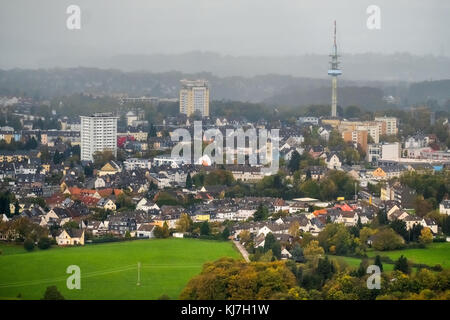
(400, 193)
(145, 231)
(444, 207)
(333, 162)
(70, 237)
(111, 168)
(146, 205)
(106, 204)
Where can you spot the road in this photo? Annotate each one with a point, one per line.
(242, 250)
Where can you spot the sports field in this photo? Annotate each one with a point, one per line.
(109, 271)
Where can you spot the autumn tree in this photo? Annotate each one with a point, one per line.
(426, 236)
(294, 229)
(313, 251)
(245, 236)
(387, 239)
(337, 235)
(162, 232)
(422, 206)
(184, 224)
(233, 279)
(364, 235)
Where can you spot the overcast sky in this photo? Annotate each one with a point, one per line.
(34, 30)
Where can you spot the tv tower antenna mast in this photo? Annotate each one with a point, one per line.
(334, 71)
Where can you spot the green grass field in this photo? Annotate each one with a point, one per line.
(435, 253)
(109, 271)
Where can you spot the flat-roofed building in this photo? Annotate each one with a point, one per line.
(194, 97)
(98, 134)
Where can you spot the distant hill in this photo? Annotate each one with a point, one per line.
(367, 97)
(272, 89)
(437, 90)
(56, 82)
(367, 66)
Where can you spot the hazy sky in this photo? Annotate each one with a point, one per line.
(34, 30)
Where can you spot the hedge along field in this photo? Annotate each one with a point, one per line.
(109, 271)
(355, 262)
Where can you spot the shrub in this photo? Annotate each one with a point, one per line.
(440, 239)
(437, 268)
(28, 244)
(402, 265)
(52, 293)
(44, 243)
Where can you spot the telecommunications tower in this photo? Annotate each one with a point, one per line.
(334, 71)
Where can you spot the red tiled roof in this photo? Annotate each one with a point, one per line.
(88, 201)
(344, 207)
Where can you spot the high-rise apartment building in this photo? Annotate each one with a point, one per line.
(356, 137)
(98, 134)
(194, 96)
(391, 124)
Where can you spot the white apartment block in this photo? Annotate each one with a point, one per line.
(194, 96)
(312, 120)
(137, 163)
(391, 124)
(98, 134)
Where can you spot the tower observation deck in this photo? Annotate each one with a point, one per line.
(334, 71)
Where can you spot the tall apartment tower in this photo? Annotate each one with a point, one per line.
(391, 124)
(334, 72)
(194, 96)
(98, 134)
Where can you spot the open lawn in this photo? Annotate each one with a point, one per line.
(434, 253)
(109, 271)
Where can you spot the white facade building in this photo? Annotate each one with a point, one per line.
(444, 207)
(137, 163)
(312, 120)
(391, 151)
(98, 134)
